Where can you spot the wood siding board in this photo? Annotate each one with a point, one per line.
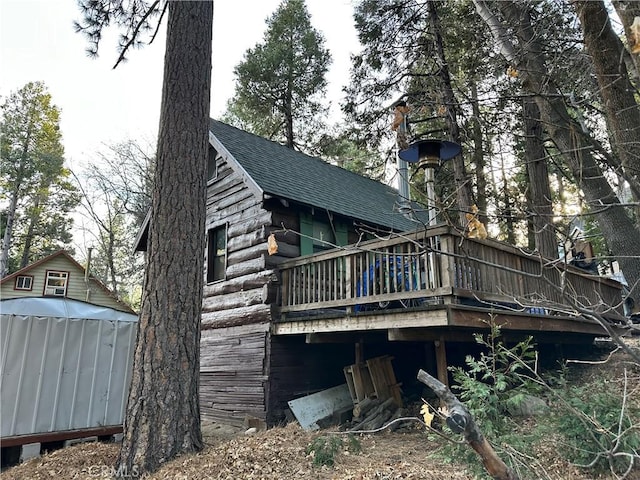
(237, 316)
(246, 208)
(243, 298)
(232, 374)
(253, 252)
(261, 219)
(247, 267)
(224, 153)
(236, 284)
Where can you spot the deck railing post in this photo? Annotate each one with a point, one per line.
(447, 265)
(286, 288)
(348, 280)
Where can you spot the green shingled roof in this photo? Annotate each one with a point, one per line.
(289, 174)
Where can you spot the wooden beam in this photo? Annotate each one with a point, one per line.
(59, 435)
(384, 321)
(479, 318)
(359, 355)
(345, 337)
(453, 334)
(429, 335)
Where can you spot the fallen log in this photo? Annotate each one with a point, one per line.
(377, 421)
(373, 418)
(461, 421)
(364, 406)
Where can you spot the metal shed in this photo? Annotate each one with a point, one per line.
(66, 366)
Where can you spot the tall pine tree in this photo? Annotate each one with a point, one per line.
(163, 411)
(33, 181)
(280, 82)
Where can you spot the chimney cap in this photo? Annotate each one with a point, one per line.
(431, 152)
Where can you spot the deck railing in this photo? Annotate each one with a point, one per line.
(440, 266)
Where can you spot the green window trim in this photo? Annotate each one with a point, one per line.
(307, 221)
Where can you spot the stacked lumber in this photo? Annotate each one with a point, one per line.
(373, 413)
(375, 378)
(375, 393)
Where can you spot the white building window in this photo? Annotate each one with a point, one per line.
(56, 283)
(24, 282)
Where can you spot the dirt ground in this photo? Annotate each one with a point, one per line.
(281, 453)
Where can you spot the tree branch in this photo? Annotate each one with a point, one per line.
(460, 421)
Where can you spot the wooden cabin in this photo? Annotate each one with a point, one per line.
(59, 275)
(347, 285)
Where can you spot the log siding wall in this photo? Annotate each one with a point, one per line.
(245, 372)
(236, 312)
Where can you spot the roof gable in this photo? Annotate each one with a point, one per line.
(286, 173)
(80, 270)
(37, 263)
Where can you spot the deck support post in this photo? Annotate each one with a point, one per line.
(359, 357)
(441, 361)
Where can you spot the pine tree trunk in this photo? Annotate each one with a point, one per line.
(28, 240)
(622, 109)
(163, 413)
(464, 194)
(620, 232)
(7, 240)
(539, 191)
(628, 10)
(478, 154)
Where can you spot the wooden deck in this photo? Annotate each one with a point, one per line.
(437, 284)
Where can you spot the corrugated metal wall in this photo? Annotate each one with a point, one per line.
(63, 373)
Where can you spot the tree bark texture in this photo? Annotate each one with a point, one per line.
(478, 159)
(539, 192)
(467, 426)
(163, 413)
(628, 10)
(464, 194)
(620, 231)
(618, 95)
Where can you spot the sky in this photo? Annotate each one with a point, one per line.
(100, 105)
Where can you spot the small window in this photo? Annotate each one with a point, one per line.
(56, 283)
(24, 282)
(216, 254)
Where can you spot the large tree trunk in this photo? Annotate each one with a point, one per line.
(539, 192)
(463, 185)
(619, 230)
(478, 153)
(628, 10)
(163, 413)
(28, 238)
(622, 109)
(618, 95)
(288, 118)
(7, 239)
